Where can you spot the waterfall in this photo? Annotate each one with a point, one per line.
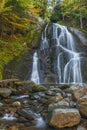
(58, 57)
(35, 75)
(69, 72)
(44, 41)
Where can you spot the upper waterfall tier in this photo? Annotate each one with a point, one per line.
(71, 71)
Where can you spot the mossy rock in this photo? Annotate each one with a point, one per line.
(28, 83)
(38, 88)
(34, 87)
(64, 86)
(5, 92)
(19, 83)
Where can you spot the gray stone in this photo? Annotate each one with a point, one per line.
(82, 105)
(5, 92)
(64, 103)
(81, 128)
(1, 104)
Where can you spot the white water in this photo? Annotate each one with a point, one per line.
(71, 71)
(68, 60)
(20, 97)
(44, 43)
(40, 122)
(8, 117)
(35, 74)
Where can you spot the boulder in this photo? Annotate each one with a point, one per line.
(5, 92)
(62, 118)
(80, 92)
(82, 105)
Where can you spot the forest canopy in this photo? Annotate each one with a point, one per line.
(18, 25)
(21, 22)
(71, 12)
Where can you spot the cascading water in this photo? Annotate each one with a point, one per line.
(44, 41)
(58, 56)
(70, 72)
(35, 75)
(44, 46)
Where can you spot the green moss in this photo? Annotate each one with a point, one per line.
(34, 87)
(19, 83)
(38, 88)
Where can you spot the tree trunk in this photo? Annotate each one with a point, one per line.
(81, 22)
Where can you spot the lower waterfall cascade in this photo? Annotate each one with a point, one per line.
(35, 74)
(59, 55)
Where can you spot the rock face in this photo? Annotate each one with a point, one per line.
(19, 67)
(65, 118)
(82, 105)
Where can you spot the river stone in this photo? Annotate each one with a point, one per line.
(31, 86)
(1, 104)
(50, 93)
(81, 128)
(63, 86)
(5, 92)
(16, 104)
(62, 118)
(80, 92)
(60, 104)
(54, 99)
(82, 105)
(72, 88)
(14, 127)
(27, 114)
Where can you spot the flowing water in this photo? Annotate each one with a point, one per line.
(8, 117)
(35, 75)
(68, 59)
(44, 41)
(71, 71)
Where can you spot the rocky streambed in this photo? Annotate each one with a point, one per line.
(27, 106)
